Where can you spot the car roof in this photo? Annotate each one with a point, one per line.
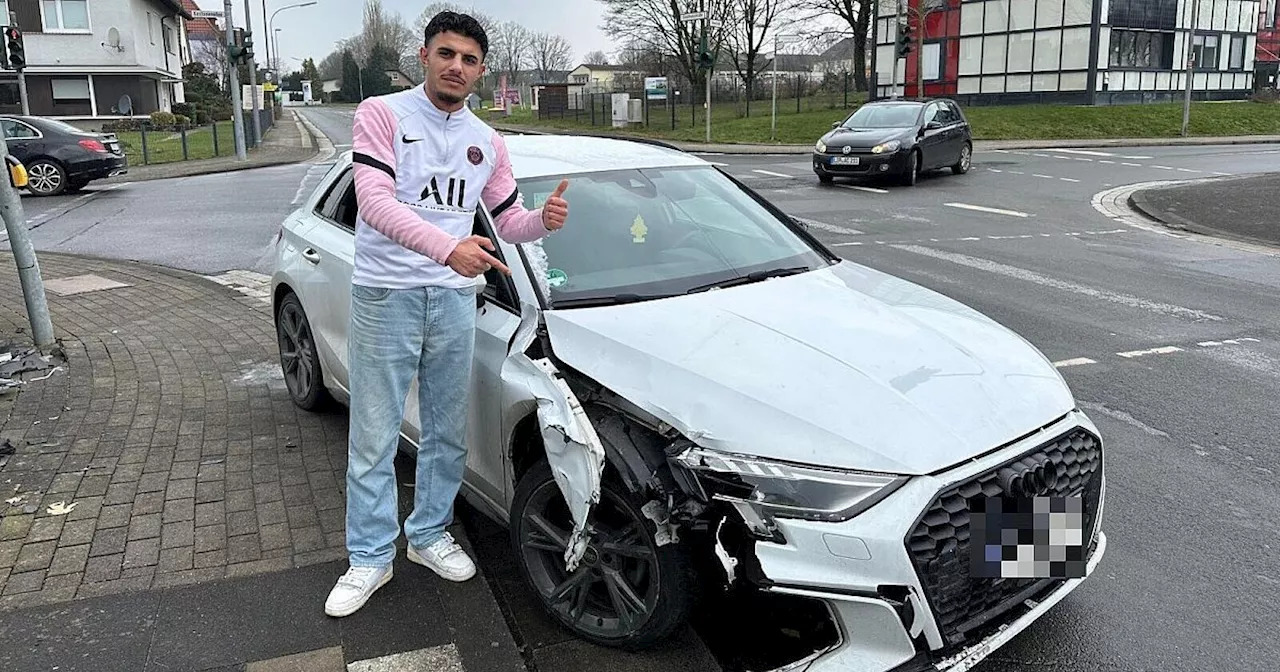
(534, 156)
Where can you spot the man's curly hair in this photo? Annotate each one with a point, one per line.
(463, 24)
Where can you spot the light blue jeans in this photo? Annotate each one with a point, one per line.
(397, 334)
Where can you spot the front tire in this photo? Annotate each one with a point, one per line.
(627, 592)
(299, 358)
(912, 173)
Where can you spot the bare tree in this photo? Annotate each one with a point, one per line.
(856, 17)
(510, 49)
(331, 66)
(596, 58)
(388, 29)
(660, 25)
(920, 13)
(749, 22)
(550, 53)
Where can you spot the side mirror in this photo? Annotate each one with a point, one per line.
(836, 125)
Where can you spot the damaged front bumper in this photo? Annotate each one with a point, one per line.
(899, 580)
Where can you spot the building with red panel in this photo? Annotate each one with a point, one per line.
(1090, 52)
(1267, 54)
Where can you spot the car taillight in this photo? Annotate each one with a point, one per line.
(94, 146)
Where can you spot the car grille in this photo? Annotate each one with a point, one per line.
(938, 545)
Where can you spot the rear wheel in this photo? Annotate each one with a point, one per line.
(299, 358)
(627, 592)
(46, 177)
(966, 160)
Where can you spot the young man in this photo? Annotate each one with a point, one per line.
(424, 163)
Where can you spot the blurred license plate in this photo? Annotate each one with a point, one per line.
(845, 161)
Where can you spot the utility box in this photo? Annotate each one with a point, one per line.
(635, 111)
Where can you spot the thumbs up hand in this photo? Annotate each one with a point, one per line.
(556, 209)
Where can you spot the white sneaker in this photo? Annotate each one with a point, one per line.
(446, 558)
(354, 588)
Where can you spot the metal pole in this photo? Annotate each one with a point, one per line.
(253, 80)
(24, 255)
(22, 93)
(773, 132)
(902, 15)
(233, 77)
(1191, 38)
(268, 23)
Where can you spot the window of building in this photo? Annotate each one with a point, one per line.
(1270, 12)
(1141, 49)
(71, 90)
(1237, 52)
(4, 7)
(1148, 14)
(1205, 51)
(66, 15)
(932, 59)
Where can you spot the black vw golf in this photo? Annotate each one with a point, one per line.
(900, 138)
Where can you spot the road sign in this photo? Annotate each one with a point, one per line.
(206, 14)
(694, 16)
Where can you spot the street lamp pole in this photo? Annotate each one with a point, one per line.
(1191, 38)
(272, 22)
(253, 80)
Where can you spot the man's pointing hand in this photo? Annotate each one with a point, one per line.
(470, 259)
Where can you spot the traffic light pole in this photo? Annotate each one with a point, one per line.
(237, 108)
(22, 92)
(24, 255)
(253, 78)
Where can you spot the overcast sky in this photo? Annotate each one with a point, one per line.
(312, 31)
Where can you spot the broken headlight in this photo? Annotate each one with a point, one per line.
(763, 489)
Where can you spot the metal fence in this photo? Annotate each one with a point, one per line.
(151, 145)
(685, 103)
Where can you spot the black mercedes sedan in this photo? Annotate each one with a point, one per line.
(60, 157)
(898, 138)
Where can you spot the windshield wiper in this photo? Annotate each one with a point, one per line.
(749, 278)
(616, 299)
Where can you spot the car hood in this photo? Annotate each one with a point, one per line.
(845, 367)
(864, 138)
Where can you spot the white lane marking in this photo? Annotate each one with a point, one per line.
(769, 172)
(1068, 179)
(1078, 361)
(1162, 167)
(869, 190)
(1217, 173)
(1047, 177)
(1122, 417)
(1109, 163)
(1083, 151)
(1080, 159)
(1187, 170)
(1017, 172)
(1164, 350)
(1043, 156)
(833, 228)
(1031, 276)
(1137, 158)
(845, 244)
(980, 208)
(1132, 165)
(1229, 341)
(995, 170)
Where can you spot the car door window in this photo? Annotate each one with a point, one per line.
(18, 131)
(933, 113)
(498, 287)
(339, 205)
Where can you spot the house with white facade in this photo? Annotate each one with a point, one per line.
(85, 57)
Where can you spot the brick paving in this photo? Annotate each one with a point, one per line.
(164, 450)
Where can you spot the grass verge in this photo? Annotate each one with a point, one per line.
(1020, 122)
(166, 147)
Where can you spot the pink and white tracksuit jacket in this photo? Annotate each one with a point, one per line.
(420, 174)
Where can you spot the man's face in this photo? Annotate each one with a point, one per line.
(453, 63)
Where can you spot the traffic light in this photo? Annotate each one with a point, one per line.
(15, 51)
(248, 46)
(236, 49)
(705, 58)
(904, 39)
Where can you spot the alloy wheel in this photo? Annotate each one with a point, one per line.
(615, 588)
(45, 178)
(297, 350)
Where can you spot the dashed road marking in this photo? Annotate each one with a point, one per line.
(1078, 361)
(1068, 179)
(1131, 165)
(769, 172)
(1164, 350)
(971, 239)
(1162, 167)
(870, 190)
(982, 208)
(833, 228)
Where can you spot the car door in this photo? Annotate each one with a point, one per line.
(326, 291)
(933, 138)
(22, 140)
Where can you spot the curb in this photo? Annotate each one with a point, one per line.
(324, 146)
(978, 145)
(1139, 203)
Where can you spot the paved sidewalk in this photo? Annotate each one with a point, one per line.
(1239, 208)
(165, 505)
(289, 141)
(978, 145)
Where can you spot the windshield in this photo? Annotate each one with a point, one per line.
(651, 233)
(883, 116)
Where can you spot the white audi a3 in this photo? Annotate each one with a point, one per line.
(684, 391)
